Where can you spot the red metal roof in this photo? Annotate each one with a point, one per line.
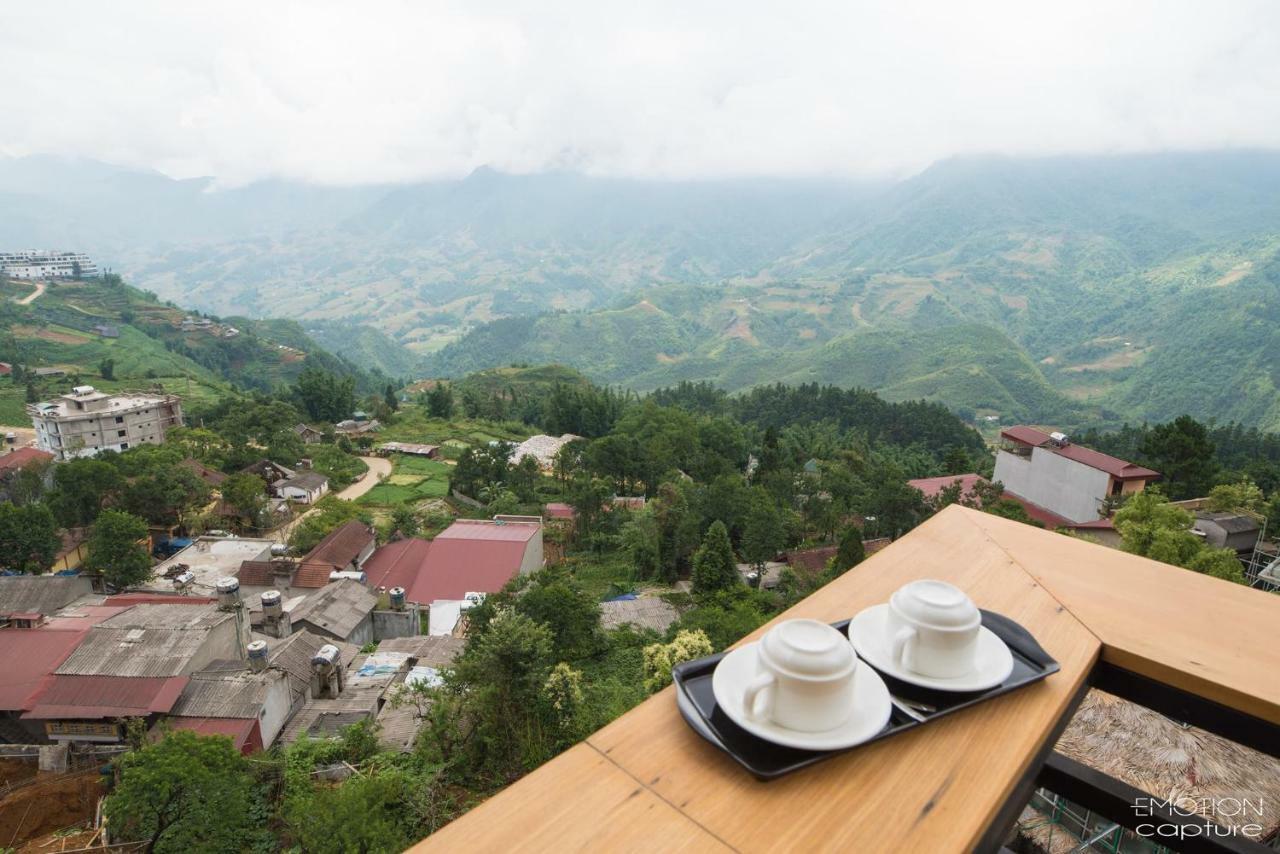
(1025, 435)
(106, 696)
(30, 657)
(397, 564)
(481, 529)
(931, 486)
(21, 457)
(1114, 466)
(814, 560)
(559, 510)
(341, 546)
(82, 617)
(471, 556)
(243, 732)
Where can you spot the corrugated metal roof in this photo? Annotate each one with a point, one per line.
(337, 608)
(342, 545)
(133, 652)
(647, 613)
(23, 457)
(472, 555)
(293, 655)
(106, 697)
(1113, 466)
(226, 695)
(167, 615)
(43, 594)
(431, 650)
(931, 486)
(30, 657)
(397, 564)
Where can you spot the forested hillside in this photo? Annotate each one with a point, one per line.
(1075, 290)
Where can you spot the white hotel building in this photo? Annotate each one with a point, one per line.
(87, 421)
(47, 264)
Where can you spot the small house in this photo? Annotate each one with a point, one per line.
(308, 434)
(306, 487)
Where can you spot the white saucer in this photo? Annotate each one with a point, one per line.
(869, 635)
(871, 706)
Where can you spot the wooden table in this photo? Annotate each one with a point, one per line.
(646, 783)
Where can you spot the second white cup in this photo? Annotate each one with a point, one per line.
(933, 629)
(806, 677)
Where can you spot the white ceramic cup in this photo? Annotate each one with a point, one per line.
(806, 677)
(933, 629)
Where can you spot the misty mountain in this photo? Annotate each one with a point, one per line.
(1087, 273)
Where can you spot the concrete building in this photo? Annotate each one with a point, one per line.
(305, 487)
(1225, 530)
(47, 264)
(134, 664)
(1072, 482)
(470, 556)
(340, 611)
(87, 421)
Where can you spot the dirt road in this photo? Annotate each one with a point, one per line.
(378, 466)
(31, 297)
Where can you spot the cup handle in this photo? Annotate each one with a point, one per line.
(752, 693)
(904, 647)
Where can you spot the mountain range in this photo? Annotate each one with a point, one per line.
(1073, 290)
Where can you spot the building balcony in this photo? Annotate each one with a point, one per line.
(1199, 650)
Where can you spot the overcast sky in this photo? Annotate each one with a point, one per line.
(388, 91)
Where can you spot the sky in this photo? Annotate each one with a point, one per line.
(371, 92)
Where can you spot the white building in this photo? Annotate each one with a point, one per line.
(1070, 481)
(46, 264)
(87, 421)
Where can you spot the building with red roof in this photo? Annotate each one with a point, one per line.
(560, 511)
(475, 556)
(345, 549)
(397, 564)
(22, 457)
(1057, 477)
(931, 486)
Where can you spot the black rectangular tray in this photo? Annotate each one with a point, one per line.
(768, 761)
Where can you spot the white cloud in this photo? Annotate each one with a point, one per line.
(392, 91)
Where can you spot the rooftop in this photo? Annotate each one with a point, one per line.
(144, 641)
(1115, 619)
(430, 651)
(31, 656)
(44, 594)
(227, 692)
(21, 457)
(211, 558)
(293, 654)
(91, 697)
(397, 564)
(471, 555)
(337, 608)
(648, 612)
(306, 480)
(1114, 466)
(342, 545)
(931, 486)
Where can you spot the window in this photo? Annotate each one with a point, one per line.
(1117, 487)
(122, 433)
(119, 419)
(124, 446)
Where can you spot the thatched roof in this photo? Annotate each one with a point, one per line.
(1161, 756)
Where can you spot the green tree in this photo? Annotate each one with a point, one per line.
(390, 398)
(572, 616)
(247, 495)
(850, 551)
(107, 368)
(1183, 453)
(405, 520)
(324, 396)
(1150, 526)
(368, 813)
(524, 478)
(117, 549)
(1242, 495)
(1218, 563)
(764, 531)
(80, 490)
(28, 538)
(714, 568)
(165, 495)
(440, 401)
(185, 793)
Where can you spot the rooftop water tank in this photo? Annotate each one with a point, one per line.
(184, 580)
(325, 658)
(279, 549)
(228, 592)
(257, 654)
(397, 598)
(1060, 439)
(271, 603)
